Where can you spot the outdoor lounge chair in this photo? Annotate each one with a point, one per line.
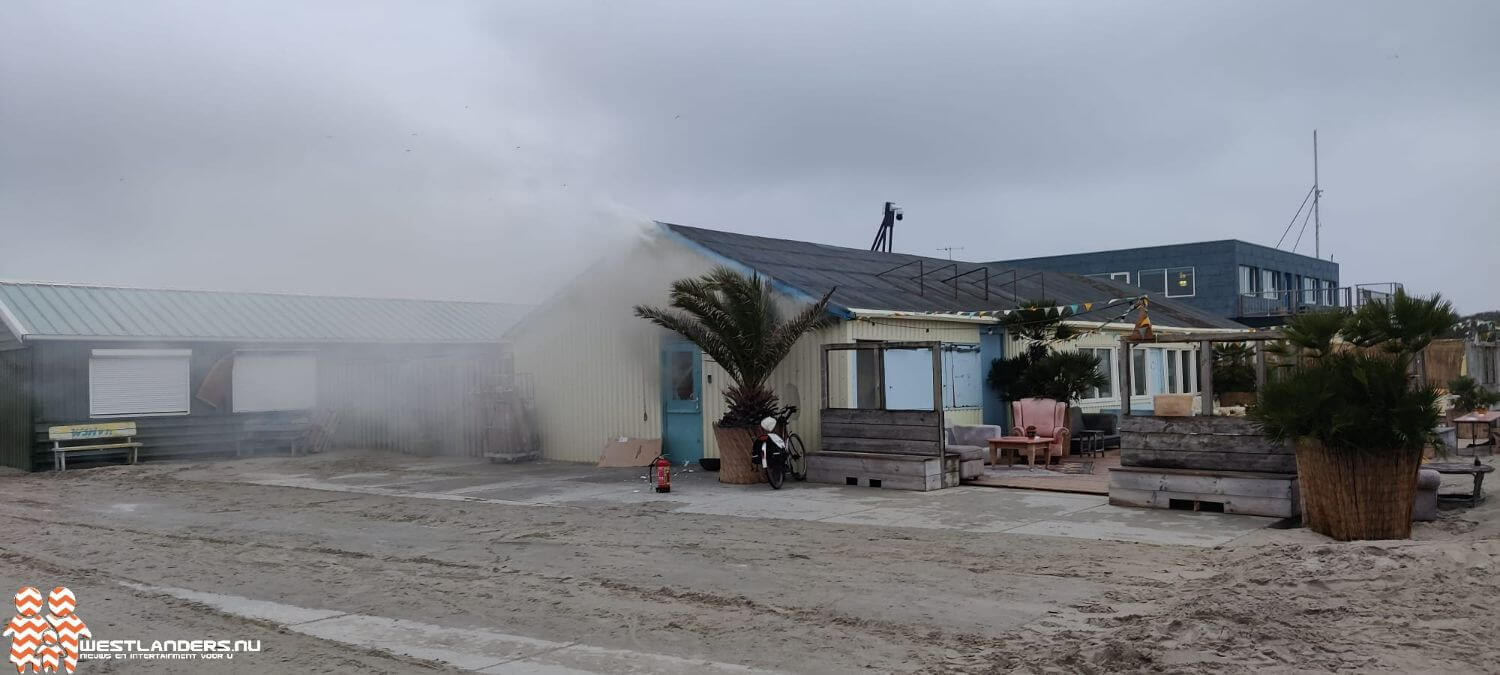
(1050, 419)
(971, 442)
(1093, 433)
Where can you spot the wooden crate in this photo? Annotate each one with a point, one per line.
(1243, 492)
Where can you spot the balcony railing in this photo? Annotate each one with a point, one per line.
(1287, 303)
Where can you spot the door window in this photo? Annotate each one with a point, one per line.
(680, 375)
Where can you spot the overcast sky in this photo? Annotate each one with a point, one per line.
(488, 150)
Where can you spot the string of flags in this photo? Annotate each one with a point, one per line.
(1053, 312)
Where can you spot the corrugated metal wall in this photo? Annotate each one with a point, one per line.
(419, 403)
(411, 398)
(15, 408)
(595, 368)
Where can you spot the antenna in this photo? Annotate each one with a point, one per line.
(886, 236)
(950, 249)
(1317, 194)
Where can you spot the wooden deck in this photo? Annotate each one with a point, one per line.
(1053, 480)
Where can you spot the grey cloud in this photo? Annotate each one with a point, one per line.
(489, 149)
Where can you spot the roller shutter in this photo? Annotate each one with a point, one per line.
(126, 382)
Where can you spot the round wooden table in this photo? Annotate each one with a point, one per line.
(1476, 470)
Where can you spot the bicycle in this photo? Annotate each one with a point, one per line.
(780, 451)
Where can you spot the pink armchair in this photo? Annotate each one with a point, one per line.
(1050, 419)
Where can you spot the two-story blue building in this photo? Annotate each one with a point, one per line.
(1234, 279)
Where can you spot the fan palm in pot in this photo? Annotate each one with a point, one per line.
(736, 321)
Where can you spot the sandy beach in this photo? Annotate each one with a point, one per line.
(768, 594)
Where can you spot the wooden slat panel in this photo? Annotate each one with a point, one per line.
(1283, 488)
(885, 445)
(1220, 461)
(1251, 506)
(1227, 426)
(895, 417)
(891, 431)
(1201, 442)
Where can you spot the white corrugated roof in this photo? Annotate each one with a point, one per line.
(52, 311)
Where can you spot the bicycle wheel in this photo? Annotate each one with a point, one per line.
(776, 475)
(796, 459)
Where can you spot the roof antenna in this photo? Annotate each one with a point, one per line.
(950, 249)
(887, 234)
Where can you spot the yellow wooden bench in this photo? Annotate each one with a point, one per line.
(106, 432)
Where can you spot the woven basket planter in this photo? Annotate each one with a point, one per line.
(1357, 494)
(735, 444)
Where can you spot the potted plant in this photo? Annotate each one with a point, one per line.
(1039, 370)
(1469, 396)
(737, 322)
(1234, 373)
(1359, 428)
(1357, 420)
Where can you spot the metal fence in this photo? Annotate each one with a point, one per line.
(1287, 303)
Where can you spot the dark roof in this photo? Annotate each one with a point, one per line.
(889, 281)
(43, 311)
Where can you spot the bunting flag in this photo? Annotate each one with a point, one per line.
(1053, 312)
(1143, 323)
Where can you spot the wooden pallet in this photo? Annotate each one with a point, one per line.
(1243, 492)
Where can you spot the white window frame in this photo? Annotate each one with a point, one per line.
(186, 356)
(1110, 370)
(1179, 371)
(1192, 285)
(1140, 274)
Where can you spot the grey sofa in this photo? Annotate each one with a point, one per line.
(971, 443)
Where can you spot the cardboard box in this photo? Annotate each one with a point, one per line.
(624, 451)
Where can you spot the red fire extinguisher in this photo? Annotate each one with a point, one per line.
(663, 473)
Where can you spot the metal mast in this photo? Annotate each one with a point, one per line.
(1317, 194)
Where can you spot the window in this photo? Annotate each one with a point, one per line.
(266, 381)
(1138, 372)
(1330, 292)
(962, 386)
(908, 379)
(1180, 282)
(1112, 276)
(1248, 278)
(1163, 370)
(1269, 283)
(1106, 358)
(1153, 280)
(126, 382)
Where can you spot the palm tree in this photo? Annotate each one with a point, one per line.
(735, 320)
(1402, 324)
(1314, 333)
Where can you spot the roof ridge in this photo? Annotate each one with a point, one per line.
(66, 284)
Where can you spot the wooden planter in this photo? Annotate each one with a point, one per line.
(735, 444)
(1357, 494)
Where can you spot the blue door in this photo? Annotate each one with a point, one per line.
(682, 401)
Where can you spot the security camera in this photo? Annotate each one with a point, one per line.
(897, 211)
